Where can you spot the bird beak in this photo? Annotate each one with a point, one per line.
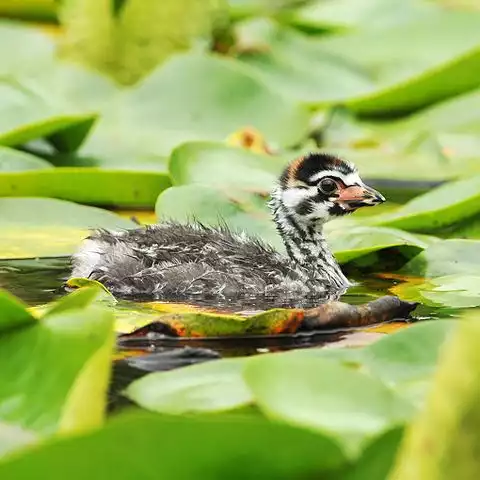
(360, 196)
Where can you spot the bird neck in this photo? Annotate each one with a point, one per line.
(306, 244)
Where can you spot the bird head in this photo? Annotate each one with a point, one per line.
(318, 187)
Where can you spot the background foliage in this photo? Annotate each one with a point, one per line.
(192, 108)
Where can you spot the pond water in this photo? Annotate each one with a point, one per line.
(39, 281)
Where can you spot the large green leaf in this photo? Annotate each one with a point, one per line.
(126, 188)
(28, 110)
(447, 257)
(438, 208)
(373, 83)
(441, 65)
(213, 445)
(224, 167)
(37, 227)
(189, 98)
(294, 65)
(351, 243)
(407, 355)
(207, 387)
(39, 393)
(321, 394)
(442, 442)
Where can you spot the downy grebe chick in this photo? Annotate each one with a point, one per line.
(172, 261)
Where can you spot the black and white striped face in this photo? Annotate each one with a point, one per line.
(319, 187)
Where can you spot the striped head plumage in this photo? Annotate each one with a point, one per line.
(318, 187)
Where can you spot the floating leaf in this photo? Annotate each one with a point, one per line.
(212, 164)
(189, 99)
(349, 244)
(457, 291)
(208, 387)
(446, 257)
(214, 444)
(36, 227)
(321, 394)
(434, 210)
(442, 441)
(88, 185)
(37, 395)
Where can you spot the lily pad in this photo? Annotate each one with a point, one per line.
(438, 208)
(83, 339)
(446, 257)
(126, 188)
(212, 164)
(324, 395)
(36, 227)
(437, 68)
(207, 387)
(189, 99)
(349, 244)
(456, 291)
(273, 451)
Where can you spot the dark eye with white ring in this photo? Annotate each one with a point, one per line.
(328, 186)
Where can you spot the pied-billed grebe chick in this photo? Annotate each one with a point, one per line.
(171, 260)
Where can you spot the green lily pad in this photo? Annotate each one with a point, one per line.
(450, 421)
(14, 161)
(207, 387)
(349, 244)
(457, 291)
(214, 444)
(189, 99)
(37, 227)
(408, 355)
(212, 164)
(432, 71)
(324, 395)
(373, 83)
(84, 340)
(438, 208)
(126, 188)
(446, 257)
(294, 66)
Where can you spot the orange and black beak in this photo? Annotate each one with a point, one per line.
(357, 196)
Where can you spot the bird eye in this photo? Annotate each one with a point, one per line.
(328, 186)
